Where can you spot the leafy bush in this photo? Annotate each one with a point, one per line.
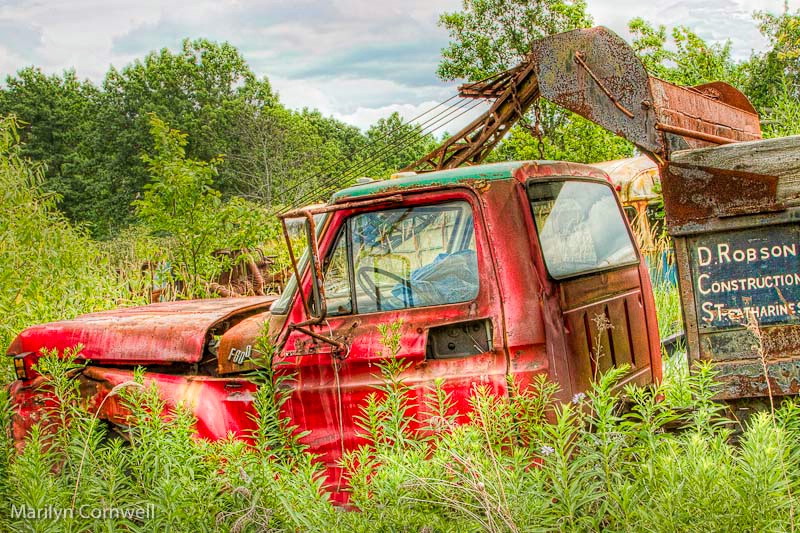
(181, 207)
(654, 459)
(49, 270)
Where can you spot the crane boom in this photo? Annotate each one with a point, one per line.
(513, 92)
(596, 74)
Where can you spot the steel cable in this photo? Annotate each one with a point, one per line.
(343, 179)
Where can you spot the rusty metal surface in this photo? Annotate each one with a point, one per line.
(615, 297)
(613, 62)
(157, 333)
(726, 94)
(221, 406)
(699, 118)
(243, 338)
(479, 178)
(550, 169)
(736, 275)
(693, 195)
(747, 379)
(738, 258)
(596, 74)
(250, 274)
(491, 87)
(634, 178)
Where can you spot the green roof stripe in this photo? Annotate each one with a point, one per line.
(495, 171)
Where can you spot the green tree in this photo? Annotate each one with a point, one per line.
(181, 206)
(57, 112)
(773, 76)
(203, 90)
(396, 144)
(285, 156)
(689, 60)
(576, 139)
(49, 270)
(488, 36)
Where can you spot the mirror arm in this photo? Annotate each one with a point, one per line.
(294, 265)
(316, 269)
(340, 348)
(316, 264)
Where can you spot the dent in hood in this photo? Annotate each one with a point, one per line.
(157, 333)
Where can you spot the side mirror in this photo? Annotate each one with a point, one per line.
(320, 310)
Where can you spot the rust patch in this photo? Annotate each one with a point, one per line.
(694, 195)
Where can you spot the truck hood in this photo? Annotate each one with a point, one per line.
(157, 333)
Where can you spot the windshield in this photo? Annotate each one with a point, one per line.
(399, 258)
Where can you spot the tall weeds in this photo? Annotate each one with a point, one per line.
(652, 459)
(49, 270)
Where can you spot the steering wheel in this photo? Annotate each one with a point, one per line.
(367, 284)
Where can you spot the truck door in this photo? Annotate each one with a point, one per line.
(424, 265)
(601, 283)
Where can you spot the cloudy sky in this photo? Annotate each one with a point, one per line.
(357, 60)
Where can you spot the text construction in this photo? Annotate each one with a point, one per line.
(754, 271)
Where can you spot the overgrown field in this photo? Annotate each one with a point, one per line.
(525, 464)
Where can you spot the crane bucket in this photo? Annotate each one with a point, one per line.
(596, 74)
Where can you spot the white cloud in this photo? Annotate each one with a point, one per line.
(357, 60)
(713, 20)
(434, 117)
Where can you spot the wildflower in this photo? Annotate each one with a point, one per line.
(578, 398)
(547, 450)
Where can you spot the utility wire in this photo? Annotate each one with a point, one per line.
(340, 180)
(373, 142)
(335, 182)
(360, 167)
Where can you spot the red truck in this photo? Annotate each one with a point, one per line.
(493, 271)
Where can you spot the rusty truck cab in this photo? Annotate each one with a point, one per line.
(494, 272)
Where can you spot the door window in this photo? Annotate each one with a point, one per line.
(580, 226)
(401, 258)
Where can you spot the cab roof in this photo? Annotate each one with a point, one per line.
(494, 171)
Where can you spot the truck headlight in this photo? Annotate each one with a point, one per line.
(19, 366)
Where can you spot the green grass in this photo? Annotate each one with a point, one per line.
(524, 464)
(668, 308)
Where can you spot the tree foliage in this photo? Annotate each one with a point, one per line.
(89, 138)
(49, 270)
(686, 60)
(488, 36)
(397, 144)
(181, 205)
(58, 115)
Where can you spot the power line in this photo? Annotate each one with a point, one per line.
(371, 144)
(340, 180)
(360, 166)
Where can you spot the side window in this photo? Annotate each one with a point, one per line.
(580, 227)
(630, 213)
(400, 258)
